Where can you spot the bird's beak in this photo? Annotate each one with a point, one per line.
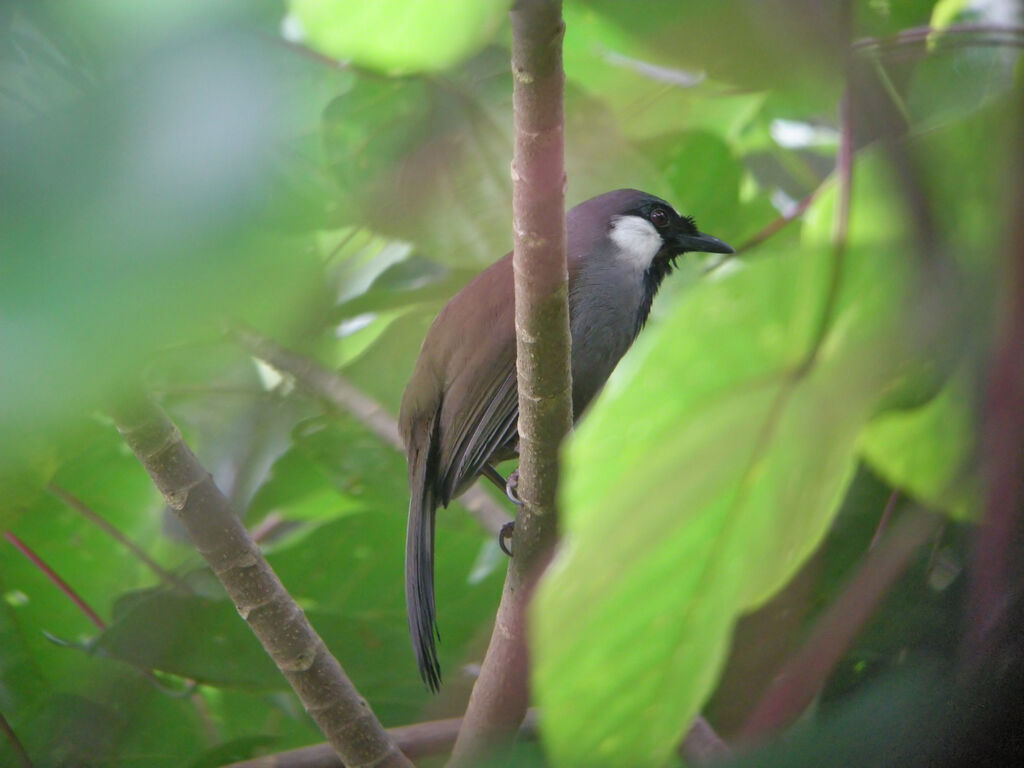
(701, 243)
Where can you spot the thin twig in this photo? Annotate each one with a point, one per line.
(334, 390)
(436, 737)
(52, 575)
(416, 741)
(1002, 440)
(92, 516)
(274, 617)
(890, 505)
(778, 224)
(800, 680)
(12, 738)
(922, 35)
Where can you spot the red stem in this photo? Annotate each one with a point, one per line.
(62, 585)
(800, 680)
(884, 521)
(12, 738)
(104, 525)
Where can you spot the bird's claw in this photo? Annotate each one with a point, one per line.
(505, 534)
(512, 487)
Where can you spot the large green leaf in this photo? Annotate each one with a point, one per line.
(711, 467)
(399, 36)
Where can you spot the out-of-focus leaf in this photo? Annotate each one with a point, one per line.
(399, 36)
(135, 215)
(334, 467)
(426, 161)
(192, 637)
(953, 82)
(928, 451)
(386, 366)
(679, 521)
(349, 575)
(945, 12)
(125, 720)
(368, 130)
(236, 750)
(789, 45)
(882, 18)
(705, 179)
(886, 725)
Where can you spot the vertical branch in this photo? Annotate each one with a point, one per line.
(1002, 440)
(274, 617)
(500, 696)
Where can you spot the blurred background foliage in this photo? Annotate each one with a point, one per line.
(329, 174)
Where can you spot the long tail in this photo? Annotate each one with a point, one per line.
(419, 568)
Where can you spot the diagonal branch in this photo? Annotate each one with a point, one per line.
(333, 389)
(500, 696)
(804, 675)
(100, 522)
(434, 737)
(274, 617)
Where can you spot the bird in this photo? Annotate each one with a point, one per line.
(459, 412)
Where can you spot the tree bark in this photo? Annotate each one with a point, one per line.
(501, 694)
(316, 676)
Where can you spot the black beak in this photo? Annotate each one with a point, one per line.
(701, 243)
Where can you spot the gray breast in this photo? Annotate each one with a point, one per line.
(604, 299)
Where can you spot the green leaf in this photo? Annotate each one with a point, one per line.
(399, 36)
(928, 451)
(189, 636)
(369, 128)
(710, 468)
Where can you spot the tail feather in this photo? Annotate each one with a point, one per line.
(419, 569)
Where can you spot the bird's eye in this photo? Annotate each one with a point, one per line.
(659, 218)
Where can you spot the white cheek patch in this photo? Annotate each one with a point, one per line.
(637, 240)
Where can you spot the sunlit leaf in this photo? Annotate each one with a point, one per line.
(398, 36)
(722, 466)
(928, 451)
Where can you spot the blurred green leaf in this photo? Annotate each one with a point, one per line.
(731, 41)
(369, 129)
(189, 636)
(927, 451)
(399, 36)
(136, 211)
(704, 177)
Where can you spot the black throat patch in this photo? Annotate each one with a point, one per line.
(660, 268)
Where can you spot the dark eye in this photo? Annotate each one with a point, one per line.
(659, 218)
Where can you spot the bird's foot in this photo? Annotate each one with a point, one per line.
(512, 488)
(508, 486)
(505, 534)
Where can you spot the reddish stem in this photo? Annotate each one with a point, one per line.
(12, 739)
(93, 517)
(884, 521)
(800, 680)
(62, 585)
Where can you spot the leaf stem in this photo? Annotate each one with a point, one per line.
(93, 517)
(12, 738)
(54, 577)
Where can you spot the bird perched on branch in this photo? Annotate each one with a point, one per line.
(460, 409)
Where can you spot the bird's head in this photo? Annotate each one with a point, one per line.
(650, 233)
